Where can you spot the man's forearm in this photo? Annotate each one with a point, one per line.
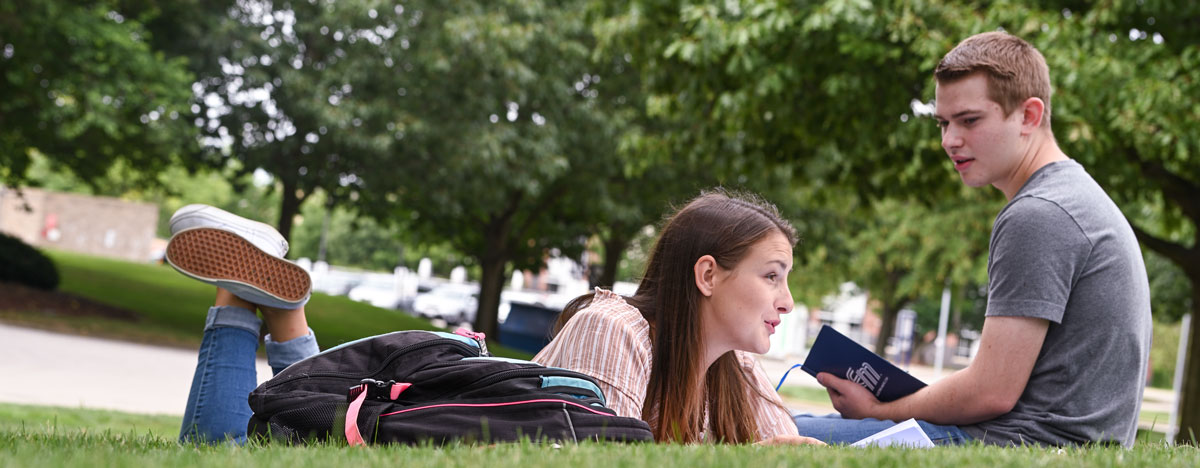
(957, 399)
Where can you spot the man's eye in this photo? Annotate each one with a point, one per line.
(943, 123)
(971, 120)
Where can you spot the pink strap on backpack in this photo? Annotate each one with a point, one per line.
(359, 393)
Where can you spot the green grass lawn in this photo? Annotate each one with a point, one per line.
(43, 436)
(807, 394)
(172, 307)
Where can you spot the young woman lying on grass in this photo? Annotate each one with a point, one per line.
(676, 353)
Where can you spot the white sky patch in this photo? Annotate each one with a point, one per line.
(512, 112)
(262, 178)
(921, 109)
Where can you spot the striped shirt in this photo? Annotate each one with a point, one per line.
(610, 340)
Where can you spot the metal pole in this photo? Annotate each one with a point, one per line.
(325, 230)
(943, 317)
(1180, 362)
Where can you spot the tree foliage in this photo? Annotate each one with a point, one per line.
(502, 150)
(80, 83)
(289, 87)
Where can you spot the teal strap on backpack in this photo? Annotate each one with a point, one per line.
(591, 388)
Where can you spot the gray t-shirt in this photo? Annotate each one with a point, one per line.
(1062, 251)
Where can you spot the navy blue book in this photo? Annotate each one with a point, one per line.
(836, 354)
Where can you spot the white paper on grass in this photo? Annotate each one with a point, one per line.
(906, 434)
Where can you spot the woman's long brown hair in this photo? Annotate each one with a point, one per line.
(724, 225)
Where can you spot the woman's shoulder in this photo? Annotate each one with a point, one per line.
(609, 319)
(610, 308)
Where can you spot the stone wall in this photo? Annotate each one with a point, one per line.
(87, 224)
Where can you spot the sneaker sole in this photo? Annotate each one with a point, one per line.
(214, 256)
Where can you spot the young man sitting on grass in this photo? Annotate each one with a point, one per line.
(1065, 341)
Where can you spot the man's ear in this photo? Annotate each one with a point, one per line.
(1032, 112)
(704, 272)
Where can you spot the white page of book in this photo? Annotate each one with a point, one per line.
(907, 434)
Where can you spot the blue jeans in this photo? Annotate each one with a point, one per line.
(832, 429)
(217, 407)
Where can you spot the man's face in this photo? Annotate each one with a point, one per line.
(984, 145)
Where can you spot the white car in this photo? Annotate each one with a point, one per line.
(454, 303)
(377, 289)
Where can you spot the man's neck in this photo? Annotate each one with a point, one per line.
(1042, 150)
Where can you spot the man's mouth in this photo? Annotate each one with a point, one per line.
(961, 163)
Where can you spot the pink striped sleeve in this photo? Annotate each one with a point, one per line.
(772, 417)
(608, 340)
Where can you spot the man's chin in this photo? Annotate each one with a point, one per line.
(969, 182)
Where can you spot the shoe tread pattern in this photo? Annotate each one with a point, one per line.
(221, 255)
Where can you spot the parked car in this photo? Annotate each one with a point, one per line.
(336, 283)
(377, 289)
(454, 303)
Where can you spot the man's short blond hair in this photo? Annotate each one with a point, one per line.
(1015, 70)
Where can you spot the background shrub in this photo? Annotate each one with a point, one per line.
(21, 263)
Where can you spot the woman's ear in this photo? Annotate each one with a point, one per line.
(704, 271)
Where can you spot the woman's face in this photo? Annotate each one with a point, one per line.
(748, 301)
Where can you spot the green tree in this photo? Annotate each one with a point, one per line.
(80, 84)
(502, 149)
(289, 87)
(642, 181)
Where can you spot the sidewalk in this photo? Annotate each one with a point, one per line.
(44, 368)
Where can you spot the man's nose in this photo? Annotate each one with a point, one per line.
(951, 138)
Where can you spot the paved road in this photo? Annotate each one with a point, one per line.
(44, 368)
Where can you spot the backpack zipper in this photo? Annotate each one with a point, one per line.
(388, 360)
(479, 338)
(510, 403)
(521, 372)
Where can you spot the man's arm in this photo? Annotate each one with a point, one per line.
(988, 388)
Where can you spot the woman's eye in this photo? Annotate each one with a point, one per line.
(772, 276)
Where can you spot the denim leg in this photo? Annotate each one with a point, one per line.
(833, 429)
(217, 409)
(945, 435)
(280, 355)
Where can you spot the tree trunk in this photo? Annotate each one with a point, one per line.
(1189, 401)
(614, 248)
(289, 206)
(490, 285)
(888, 326)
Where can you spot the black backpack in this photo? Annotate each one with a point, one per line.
(436, 387)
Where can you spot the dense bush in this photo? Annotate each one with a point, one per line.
(21, 263)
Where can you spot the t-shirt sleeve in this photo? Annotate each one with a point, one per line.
(604, 345)
(769, 412)
(1037, 253)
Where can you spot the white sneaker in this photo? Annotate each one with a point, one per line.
(262, 235)
(237, 254)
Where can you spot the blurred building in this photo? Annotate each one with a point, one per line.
(93, 225)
